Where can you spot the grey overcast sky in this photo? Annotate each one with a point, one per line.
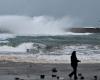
(87, 10)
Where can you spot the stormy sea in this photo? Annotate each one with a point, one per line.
(42, 39)
(51, 48)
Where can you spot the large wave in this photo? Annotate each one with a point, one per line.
(40, 25)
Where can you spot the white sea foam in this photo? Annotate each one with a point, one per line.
(86, 53)
(20, 48)
(71, 33)
(37, 58)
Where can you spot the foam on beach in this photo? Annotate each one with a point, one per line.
(48, 58)
(39, 54)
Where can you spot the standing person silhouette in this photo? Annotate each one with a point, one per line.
(74, 64)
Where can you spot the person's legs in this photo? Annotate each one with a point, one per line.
(75, 73)
(72, 73)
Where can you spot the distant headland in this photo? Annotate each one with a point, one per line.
(85, 30)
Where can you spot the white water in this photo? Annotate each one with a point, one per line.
(37, 25)
(86, 53)
(20, 48)
(41, 25)
(38, 58)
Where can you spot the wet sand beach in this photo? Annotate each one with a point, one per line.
(32, 71)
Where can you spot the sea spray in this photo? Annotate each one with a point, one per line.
(40, 25)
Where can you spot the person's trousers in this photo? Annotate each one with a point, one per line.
(74, 72)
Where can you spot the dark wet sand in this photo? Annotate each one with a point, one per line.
(32, 71)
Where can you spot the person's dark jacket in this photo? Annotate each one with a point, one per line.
(74, 61)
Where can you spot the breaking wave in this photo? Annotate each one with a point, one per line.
(41, 53)
(37, 25)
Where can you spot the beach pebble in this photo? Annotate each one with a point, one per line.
(42, 76)
(53, 76)
(54, 70)
(82, 78)
(95, 77)
(79, 74)
(17, 78)
(57, 77)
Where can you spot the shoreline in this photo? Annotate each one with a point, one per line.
(46, 59)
